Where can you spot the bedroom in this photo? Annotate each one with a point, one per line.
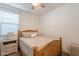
(55, 20)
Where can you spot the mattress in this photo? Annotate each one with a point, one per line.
(26, 44)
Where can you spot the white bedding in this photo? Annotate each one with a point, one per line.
(26, 44)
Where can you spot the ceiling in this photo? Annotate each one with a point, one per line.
(27, 7)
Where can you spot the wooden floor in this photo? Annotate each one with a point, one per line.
(63, 54)
(19, 54)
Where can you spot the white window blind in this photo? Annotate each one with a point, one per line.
(8, 22)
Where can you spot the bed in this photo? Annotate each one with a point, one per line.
(40, 45)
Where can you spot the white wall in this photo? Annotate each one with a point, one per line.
(29, 21)
(63, 21)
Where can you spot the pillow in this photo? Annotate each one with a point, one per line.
(33, 35)
(26, 35)
(29, 34)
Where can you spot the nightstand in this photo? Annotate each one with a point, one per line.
(8, 47)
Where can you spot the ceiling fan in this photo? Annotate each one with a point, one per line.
(38, 5)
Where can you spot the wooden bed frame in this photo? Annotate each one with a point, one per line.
(53, 48)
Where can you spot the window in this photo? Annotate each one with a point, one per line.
(8, 22)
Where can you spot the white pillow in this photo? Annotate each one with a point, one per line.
(26, 35)
(33, 35)
(29, 34)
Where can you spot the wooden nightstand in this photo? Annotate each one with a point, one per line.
(9, 47)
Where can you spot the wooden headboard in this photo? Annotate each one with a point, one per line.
(29, 31)
(21, 31)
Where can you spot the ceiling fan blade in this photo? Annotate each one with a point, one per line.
(42, 5)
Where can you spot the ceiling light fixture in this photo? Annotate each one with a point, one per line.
(35, 4)
(38, 5)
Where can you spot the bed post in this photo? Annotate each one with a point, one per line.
(18, 39)
(18, 34)
(35, 51)
(60, 46)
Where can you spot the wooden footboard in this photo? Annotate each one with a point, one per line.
(54, 48)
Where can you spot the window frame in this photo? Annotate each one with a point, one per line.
(8, 23)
